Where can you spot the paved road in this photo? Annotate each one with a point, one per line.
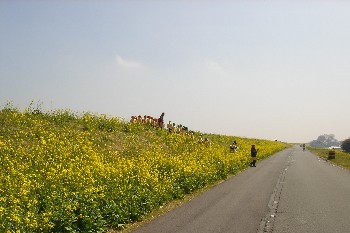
(292, 191)
(315, 197)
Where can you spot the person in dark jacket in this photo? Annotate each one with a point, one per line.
(253, 153)
(161, 121)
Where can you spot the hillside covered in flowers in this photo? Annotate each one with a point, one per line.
(66, 172)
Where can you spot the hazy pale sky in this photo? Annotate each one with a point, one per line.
(258, 69)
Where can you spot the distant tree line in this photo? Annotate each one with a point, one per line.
(328, 140)
(325, 141)
(346, 145)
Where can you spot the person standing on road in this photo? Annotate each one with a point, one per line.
(253, 153)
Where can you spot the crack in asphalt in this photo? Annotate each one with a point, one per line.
(267, 223)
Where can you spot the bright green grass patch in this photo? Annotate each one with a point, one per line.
(341, 158)
(66, 172)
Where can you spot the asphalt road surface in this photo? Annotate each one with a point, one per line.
(292, 191)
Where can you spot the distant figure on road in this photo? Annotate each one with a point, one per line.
(253, 153)
(303, 147)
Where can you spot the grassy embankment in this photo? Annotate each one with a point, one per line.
(66, 172)
(341, 158)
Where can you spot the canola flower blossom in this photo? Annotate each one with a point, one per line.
(65, 172)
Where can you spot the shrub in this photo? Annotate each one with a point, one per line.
(346, 145)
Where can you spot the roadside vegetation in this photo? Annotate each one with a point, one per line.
(62, 171)
(341, 158)
(346, 145)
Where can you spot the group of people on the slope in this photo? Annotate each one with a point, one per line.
(205, 141)
(253, 152)
(173, 128)
(153, 121)
(159, 122)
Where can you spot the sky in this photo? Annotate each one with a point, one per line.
(257, 69)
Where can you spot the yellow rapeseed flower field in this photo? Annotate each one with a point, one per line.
(68, 172)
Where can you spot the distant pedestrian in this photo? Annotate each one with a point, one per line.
(207, 141)
(200, 140)
(253, 153)
(233, 146)
(161, 121)
(170, 127)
